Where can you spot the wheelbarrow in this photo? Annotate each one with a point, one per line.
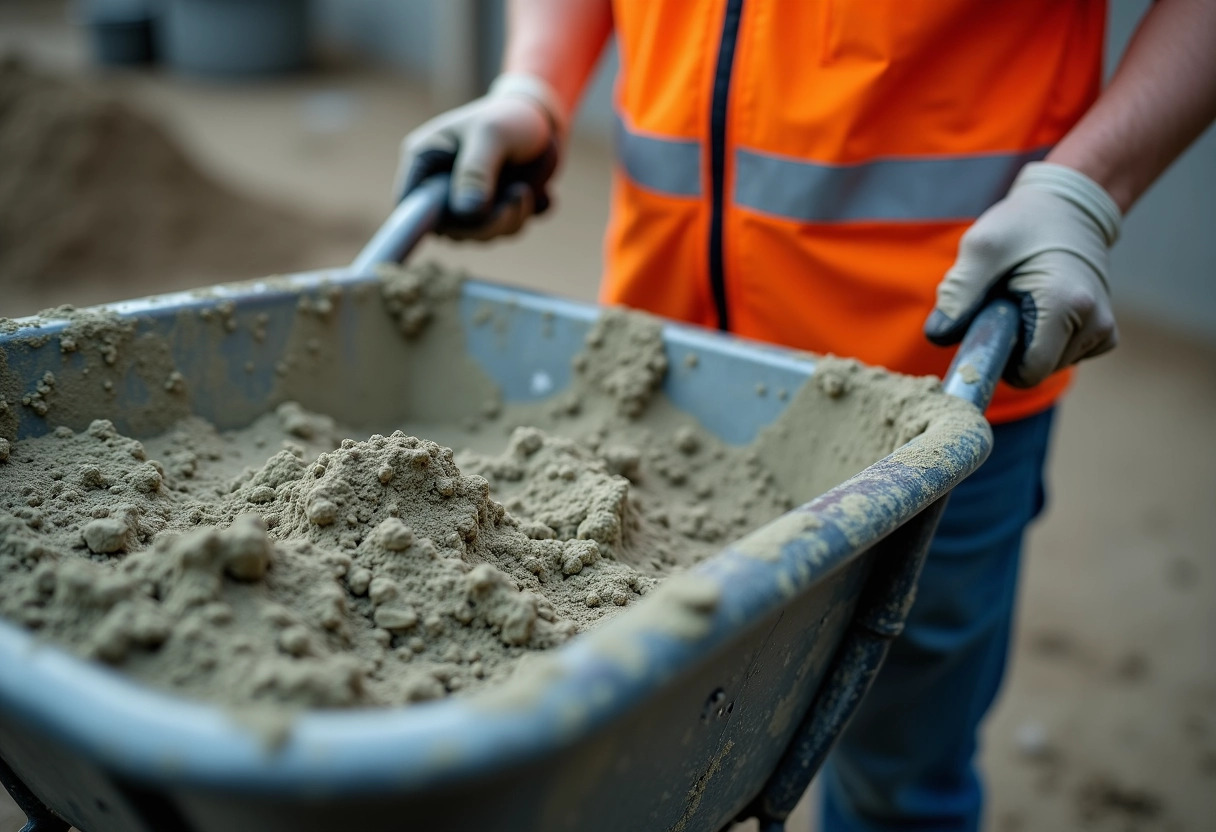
(712, 700)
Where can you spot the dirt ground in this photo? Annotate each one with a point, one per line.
(1108, 720)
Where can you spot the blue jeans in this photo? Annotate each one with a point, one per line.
(906, 761)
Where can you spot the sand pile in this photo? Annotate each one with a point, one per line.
(91, 189)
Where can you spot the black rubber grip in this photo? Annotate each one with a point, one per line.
(535, 174)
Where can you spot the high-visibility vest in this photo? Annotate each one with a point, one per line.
(800, 171)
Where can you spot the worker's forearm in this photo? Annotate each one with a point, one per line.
(1161, 98)
(557, 40)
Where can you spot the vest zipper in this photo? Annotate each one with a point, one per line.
(717, 156)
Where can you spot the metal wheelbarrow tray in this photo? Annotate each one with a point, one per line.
(713, 699)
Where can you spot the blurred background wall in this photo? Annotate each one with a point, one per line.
(1163, 266)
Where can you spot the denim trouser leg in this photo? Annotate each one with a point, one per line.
(906, 760)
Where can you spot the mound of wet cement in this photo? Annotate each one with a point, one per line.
(287, 564)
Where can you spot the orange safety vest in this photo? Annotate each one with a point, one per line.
(800, 171)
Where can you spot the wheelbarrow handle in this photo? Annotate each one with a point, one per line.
(985, 351)
(413, 218)
(421, 210)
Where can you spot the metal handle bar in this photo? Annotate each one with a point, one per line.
(413, 218)
(984, 353)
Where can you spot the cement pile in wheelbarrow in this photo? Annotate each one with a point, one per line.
(298, 563)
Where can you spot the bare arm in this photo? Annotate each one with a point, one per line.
(552, 48)
(1161, 98)
(559, 41)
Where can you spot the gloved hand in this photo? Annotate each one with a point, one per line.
(501, 150)
(1045, 244)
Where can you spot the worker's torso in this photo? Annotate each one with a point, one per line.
(800, 171)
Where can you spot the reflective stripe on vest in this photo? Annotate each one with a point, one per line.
(671, 167)
(801, 171)
(929, 188)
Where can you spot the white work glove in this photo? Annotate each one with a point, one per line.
(1045, 245)
(501, 150)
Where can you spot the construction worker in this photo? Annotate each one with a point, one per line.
(851, 177)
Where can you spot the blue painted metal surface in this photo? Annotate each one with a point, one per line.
(640, 724)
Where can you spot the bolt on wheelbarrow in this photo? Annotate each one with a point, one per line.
(715, 698)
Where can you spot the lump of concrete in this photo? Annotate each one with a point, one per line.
(246, 551)
(624, 359)
(106, 535)
(302, 424)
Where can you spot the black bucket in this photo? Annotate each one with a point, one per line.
(121, 34)
(234, 38)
